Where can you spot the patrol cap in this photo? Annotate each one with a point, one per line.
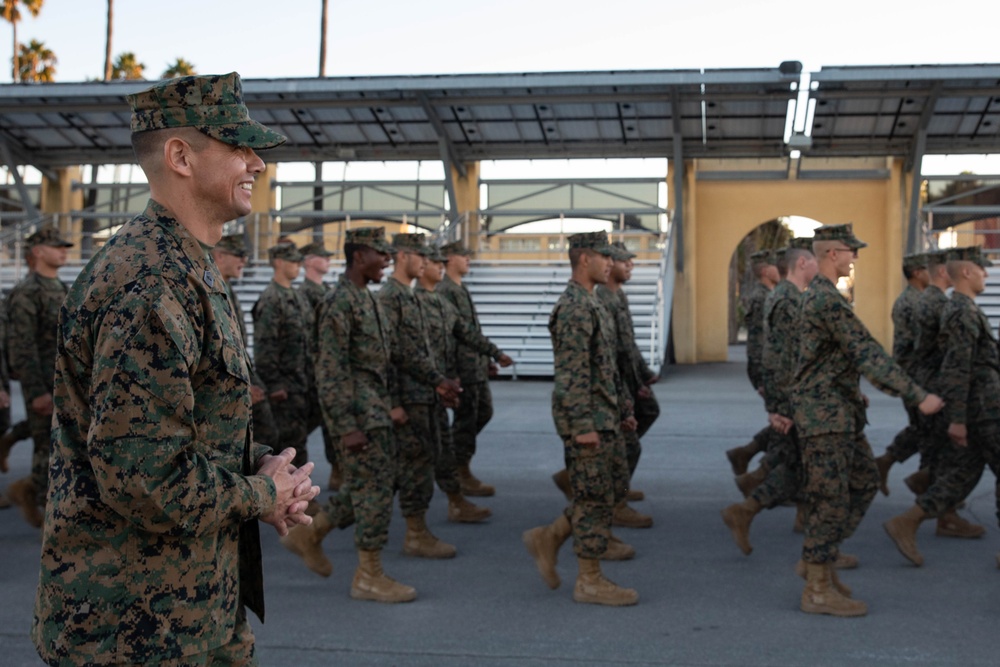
(285, 251)
(763, 257)
(801, 243)
(936, 257)
(436, 254)
(455, 248)
(972, 254)
(212, 104)
(233, 244)
(315, 248)
(410, 243)
(620, 253)
(596, 241)
(914, 261)
(779, 254)
(842, 233)
(47, 236)
(373, 237)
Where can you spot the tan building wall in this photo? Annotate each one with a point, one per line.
(719, 213)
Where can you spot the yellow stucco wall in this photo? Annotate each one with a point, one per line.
(719, 213)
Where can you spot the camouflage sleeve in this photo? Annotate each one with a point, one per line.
(868, 356)
(955, 375)
(4, 370)
(574, 327)
(142, 440)
(408, 355)
(467, 333)
(904, 334)
(333, 365)
(755, 344)
(22, 338)
(782, 318)
(268, 323)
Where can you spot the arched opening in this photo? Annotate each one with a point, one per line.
(765, 236)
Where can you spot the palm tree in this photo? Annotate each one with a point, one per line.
(180, 67)
(107, 43)
(127, 68)
(11, 13)
(37, 63)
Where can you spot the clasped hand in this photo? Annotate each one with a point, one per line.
(294, 489)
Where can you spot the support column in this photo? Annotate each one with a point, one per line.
(260, 227)
(58, 200)
(684, 319)
(467, 202)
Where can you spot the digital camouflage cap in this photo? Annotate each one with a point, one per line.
(285, 251)
(937, 257)
(842, 233)
(436, 254)
(233, 244)
(455, 248)
(373, 237)
(596, 241)
(211, 104)
(620, 253)
(47, 236)
(914, 261)
(765, 256)
(972, 254)
(801, 243)
(410, 243)
(315, 248)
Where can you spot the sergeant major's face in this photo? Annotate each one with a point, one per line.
(225, 176)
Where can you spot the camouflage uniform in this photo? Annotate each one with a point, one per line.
(779, 360)
(753, 320)
(969, 381)
(265, 431)
(413, 377)
(445, 329)
(352, 379)
(905, 330)
(587, 398)
(33, 316)
(284, 327)
(315, 293)
(476, 407)
(150, 548)
(829, 414)
(4, 371)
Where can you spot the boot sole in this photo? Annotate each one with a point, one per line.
(585, 599)
(444, 555)
(818, 609)
(372, 597)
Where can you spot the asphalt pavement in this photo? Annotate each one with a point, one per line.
(702, 603)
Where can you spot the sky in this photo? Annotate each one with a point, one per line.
(267, 39)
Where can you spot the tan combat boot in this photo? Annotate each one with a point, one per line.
(883, 463)
(903, 531)
(306, 542)
(543, 544)
(842, 588)
(820, 596)
(371, 583)
(635, 495)
(561, 480)
(749, 481)
(460, 510)
(593, 588)
(471, 486)
(23, 494)
(618, 550)
(919, 481)
(422, 543)
(627, 517)
(950, 524)
(737, 518)
(740, 457)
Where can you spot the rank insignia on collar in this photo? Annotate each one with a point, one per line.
(209, 280)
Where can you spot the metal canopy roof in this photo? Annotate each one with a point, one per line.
(859, 111)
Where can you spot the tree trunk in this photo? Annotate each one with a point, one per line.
(107, 44)
(16, 61)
